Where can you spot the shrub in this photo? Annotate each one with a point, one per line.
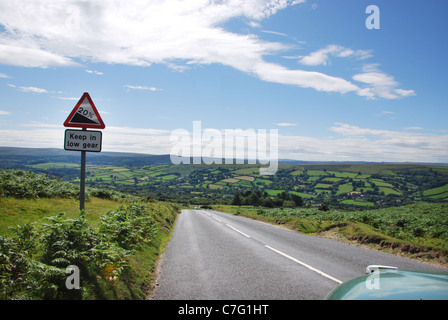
(22, 277)
(27, 184)
(129, 226)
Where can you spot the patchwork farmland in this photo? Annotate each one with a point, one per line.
(356, 185)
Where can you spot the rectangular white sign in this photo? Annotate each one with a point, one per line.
(83, 140)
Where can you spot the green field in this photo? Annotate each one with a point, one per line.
(358, 203)
(440, 192)
(338, 185)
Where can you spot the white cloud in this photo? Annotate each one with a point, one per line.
(322, 56)
(4, 113)
(39, 138)
(36, 124)
(99, 73)
(275, 32)
(137, 131)
(144, 88)
(67, 98)
(254, 24)
(405, 93)
(176, 33)
(413, 128)
(350, 143)
(380, 84)
(285, 124)
(305, 79)
(386, 112)
(2, 75)
(354, 143)
(24, 56)
(33, 89)
(118, 139)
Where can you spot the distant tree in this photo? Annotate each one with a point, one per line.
(237, 201)
(268, 203)
(277, 202)
(283, 195)
(298, 201)
(253, 199)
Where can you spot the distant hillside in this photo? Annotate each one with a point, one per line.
(20, 157)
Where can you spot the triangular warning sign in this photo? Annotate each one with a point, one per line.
(85, 115)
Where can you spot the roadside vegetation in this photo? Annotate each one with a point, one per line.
(418, 231)
(114, 243)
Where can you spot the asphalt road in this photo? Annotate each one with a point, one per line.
(214, 255)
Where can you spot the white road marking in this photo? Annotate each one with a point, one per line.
(305, 265)
(247, 236)
(284, 254)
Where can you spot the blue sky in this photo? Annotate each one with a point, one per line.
(334, 89)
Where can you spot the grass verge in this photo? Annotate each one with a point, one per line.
(432, 250)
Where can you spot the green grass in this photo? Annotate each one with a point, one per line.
(331, 179)
(323, 186)
(417, 231)
(54, 165)
(14, 212)
(316, 173)
(343, 174)
(389, 190)
(244, 183)
(272, 192)
(358, 203)
(436, 191)
(248, 171)
(440, 196)
(303, 195)
(263, 181)
(345, 188)
(169, 177)
(381, 183)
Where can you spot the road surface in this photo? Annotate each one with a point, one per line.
(218, 256)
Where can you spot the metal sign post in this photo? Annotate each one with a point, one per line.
(82, 192)
(84, 115)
